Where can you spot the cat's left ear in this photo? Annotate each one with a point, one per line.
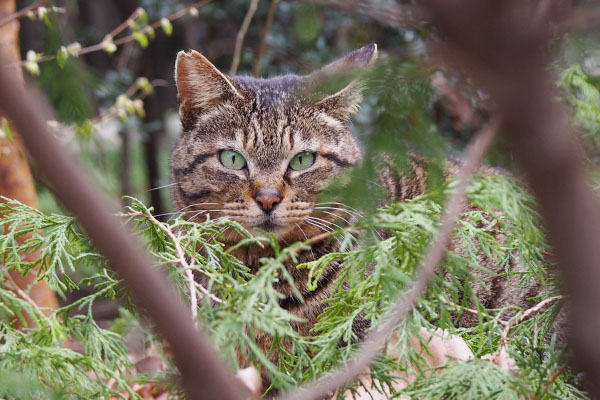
(344, 75)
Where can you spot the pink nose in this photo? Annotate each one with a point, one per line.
(267, 199)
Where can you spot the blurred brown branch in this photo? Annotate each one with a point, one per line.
(265, 35)
(508, 55)
(204, 376)
(397, 16)
(239, 40)
(374, 343)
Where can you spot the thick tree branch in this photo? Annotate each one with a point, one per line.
(203, 373)
(475, 152)
(500, 47)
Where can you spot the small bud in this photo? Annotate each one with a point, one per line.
(142, 15)
(150, 32)
(41, 12)
(141, 39)
(166, 26)
(109, 46)
(134, 26)
(194, 12)
(138, 104)
(31, 63)
(62, 56)
(145, 85)
(74, 49)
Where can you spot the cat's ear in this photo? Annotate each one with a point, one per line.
(200, 85)
(342, 80)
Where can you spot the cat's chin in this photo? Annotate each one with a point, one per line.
(280, 231)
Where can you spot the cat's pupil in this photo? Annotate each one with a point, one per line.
(233, 159)
(300, 159)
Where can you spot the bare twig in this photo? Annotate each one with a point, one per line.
(472, 311)
(20, 291)
(549, 382)
(475, 152)
(528, 313)
(181, 259)
(263, 41)
(22, 12)
(203, 374)
(239, 40)
(124, 25)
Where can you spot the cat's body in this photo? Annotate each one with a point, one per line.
(259, 151)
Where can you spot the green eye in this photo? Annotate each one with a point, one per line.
(302, 161)
(232, 159)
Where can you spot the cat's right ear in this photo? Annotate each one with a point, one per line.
(200, 85)
(339, 84)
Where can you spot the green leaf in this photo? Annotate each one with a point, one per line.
(84, 131)
(142, 15)
(150, 32)
(62, 56)
(166, 26)
(134, 26)
(141, 39)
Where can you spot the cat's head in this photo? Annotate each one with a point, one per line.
(259, 151)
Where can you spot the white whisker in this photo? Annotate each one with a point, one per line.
(306, 238)
(180, 211)
(163, 186)
(349, 212)
(338, 216)
(318, 226)
(324, 221)
(340, 204)
(323, 227)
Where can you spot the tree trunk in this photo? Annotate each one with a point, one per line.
(16, 181)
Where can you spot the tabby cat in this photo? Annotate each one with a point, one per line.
(259, 151)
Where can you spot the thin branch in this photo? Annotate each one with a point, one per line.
(20, 291)
(124, 25)
(263, 41)
(239, 40)
(528, 313)
(22, 12)
(473, 312)
(321, 237)
(126, 39)
(500, 48)
(181, 259)
(550, 381)
(476, 150)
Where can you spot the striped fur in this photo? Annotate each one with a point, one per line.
(269, 121)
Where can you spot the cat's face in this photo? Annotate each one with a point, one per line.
(259, 151)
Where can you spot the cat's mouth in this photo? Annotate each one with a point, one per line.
(272, 225)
